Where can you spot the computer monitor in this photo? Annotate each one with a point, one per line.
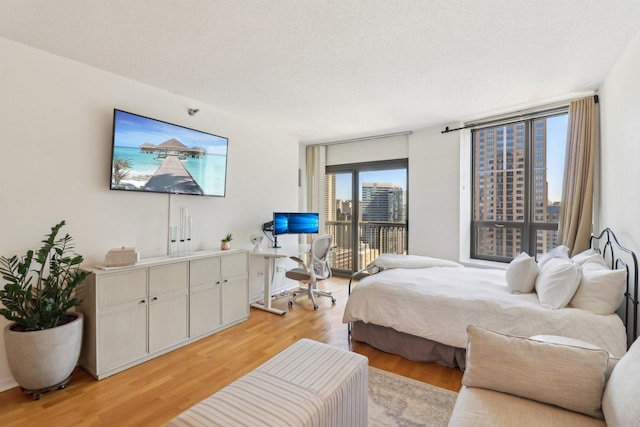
(291, 223)
(295, 223)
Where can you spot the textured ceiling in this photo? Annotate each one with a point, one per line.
(332, 69)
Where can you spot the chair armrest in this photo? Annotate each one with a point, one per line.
(299, 261)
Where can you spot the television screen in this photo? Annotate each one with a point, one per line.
(155, 156)
(295, 223)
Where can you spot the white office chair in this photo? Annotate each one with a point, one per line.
(315, 270)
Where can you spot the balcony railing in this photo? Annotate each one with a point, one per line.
(374, 238)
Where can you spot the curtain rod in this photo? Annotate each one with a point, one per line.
(364, 138)
(510, 118)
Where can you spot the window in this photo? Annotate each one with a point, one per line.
(366, 212)
(503, 223)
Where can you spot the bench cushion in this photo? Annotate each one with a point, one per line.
(307, 384)
(478, 407)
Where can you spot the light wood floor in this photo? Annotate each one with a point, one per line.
(153, 393)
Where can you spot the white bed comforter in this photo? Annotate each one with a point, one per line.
(438, 303)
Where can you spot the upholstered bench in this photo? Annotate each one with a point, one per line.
(514, 381)
(307, 384)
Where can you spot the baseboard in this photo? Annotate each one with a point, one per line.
(7, 383)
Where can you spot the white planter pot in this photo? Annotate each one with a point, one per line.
(41, 359)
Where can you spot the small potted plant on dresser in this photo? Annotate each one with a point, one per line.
(226, 242)
(43, 343)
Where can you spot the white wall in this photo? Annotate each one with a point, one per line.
(55, 138)
(434, 188)
(620, 147)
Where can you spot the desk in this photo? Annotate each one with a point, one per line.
(270, 255)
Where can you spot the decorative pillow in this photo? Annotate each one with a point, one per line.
(566, 376)
(557, 339)
(557, 282)
(411, 261)
(583, 256)
(601, 290)
(521, 274)
(620, 400)
(561, 251)
(594, 258)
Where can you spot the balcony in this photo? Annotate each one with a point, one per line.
(373, 239)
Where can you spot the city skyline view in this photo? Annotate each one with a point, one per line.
(517, 186)
(390, 176)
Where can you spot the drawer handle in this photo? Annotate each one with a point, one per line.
(154, 299)
(142, 301)
(218, 282)
(225, 281)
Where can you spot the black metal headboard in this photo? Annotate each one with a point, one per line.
(617, 257)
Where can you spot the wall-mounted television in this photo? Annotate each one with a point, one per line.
(159, 157)
(295, 223)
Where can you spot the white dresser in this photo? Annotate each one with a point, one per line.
(135, 313)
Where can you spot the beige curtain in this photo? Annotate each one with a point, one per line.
(576, 212)
(316, 166)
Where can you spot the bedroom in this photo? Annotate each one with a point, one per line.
(56, 115)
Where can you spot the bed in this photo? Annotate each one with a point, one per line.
(420, 307)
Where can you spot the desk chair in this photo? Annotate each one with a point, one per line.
(312, 272)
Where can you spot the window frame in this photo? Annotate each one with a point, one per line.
(528, 228)
(354, 169)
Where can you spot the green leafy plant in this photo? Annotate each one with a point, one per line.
(40, 285)
(228, 238)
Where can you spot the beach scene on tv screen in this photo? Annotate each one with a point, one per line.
(150, 155)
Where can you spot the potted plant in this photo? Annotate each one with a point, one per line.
(43, 342)
(226, 242)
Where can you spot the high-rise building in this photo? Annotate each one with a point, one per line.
(330, 197)
(382, 202)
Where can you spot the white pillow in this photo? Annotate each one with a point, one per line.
(521, 274)
(583, 256)
(595, 259)
(601, 290)
(557, 282)
(411, 261)
(558, 252)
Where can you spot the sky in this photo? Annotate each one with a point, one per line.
(393, 176)
(556, 141)
(131, 130)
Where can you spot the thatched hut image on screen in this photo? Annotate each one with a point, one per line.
(155, 156)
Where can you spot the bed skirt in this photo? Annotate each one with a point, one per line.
(408, 346)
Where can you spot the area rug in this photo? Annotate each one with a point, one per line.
(395, 400)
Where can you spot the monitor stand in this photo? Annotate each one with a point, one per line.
(275, 242)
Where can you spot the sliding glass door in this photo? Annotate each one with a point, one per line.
(366, 212)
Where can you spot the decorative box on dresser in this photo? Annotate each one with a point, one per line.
(136, 313)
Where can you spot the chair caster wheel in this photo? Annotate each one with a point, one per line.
(290, 303)
(333, 300)
(315, 307)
